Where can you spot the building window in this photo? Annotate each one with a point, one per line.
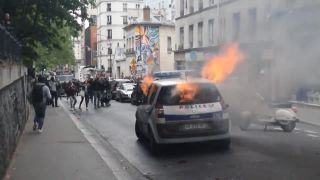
(211, 2)
(137, 6)
(181, 7)
(125, 7)
(191, 36)
(236, 26)
(200, 5)
(252, 22)
(200, 34)
(109, 7)
(125, 20)
(181, 38)
(191, 7)
(109, 33)
(169, 44)
(109, 20)
(211, 30)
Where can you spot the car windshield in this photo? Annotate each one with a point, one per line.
(206, 93)
(128, 87)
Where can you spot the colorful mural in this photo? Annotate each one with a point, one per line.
(147, 49)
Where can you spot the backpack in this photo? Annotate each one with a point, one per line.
(37, 94)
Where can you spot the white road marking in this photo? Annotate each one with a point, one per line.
(277, 128)
(311, 132)
(312, 135)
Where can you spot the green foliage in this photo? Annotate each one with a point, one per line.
(38, 24)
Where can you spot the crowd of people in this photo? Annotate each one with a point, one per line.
(97, 90)
(47, 92)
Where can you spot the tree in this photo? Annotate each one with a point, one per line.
(38, 22)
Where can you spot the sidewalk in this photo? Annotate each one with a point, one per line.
(60, 152)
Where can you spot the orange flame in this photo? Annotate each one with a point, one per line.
(146, 83)
(222, 65)
(187, 91)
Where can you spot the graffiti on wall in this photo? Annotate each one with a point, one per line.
(147, 49)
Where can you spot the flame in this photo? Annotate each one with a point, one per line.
(187, 91)
(146, 83)
(222, 65)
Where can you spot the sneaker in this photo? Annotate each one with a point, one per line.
(87, 108)
(40, 131)
(34, 127)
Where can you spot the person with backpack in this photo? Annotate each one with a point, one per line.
(40, 94)
(53, 90)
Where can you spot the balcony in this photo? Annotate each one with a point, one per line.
(180, 47)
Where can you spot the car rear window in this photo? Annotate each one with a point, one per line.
(206, 93)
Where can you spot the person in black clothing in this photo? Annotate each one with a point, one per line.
(105, 99)
(96, 93)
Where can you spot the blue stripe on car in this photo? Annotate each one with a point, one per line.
(214, 115)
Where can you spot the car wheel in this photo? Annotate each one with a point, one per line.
(155, 148)
(289, 127)
(225, 144)
(138, 131)
(246, 118)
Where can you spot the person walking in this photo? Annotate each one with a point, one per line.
(84, 94)
(71, 91)
(96, 93)
(54, 93)
(39, 96)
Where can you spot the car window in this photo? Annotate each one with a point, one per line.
(207, 93)
(152, 94)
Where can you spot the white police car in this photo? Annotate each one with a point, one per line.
(165, 117)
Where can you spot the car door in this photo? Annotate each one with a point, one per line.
(147, 107)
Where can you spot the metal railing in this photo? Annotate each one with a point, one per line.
(10, 48)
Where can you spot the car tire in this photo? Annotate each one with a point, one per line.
(225, 144)
(246, 118)
(138, 131)
(155, 148)
(289, 127)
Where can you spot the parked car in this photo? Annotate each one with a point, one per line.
(164, 118)
(115, 84)
(124, 92)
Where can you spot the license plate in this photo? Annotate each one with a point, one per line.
(196, 126)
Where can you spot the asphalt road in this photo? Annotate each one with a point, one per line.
(254, 154)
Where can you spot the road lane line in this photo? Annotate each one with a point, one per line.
(312, 135)
(311, 132)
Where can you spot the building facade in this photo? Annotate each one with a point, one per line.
(266, 30)
(112, 16)
(91, 45)
(149, 46)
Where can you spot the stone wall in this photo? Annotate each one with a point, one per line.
(13, 116)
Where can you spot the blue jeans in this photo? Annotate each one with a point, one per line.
(40, 112)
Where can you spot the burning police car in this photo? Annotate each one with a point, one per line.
(180, 111)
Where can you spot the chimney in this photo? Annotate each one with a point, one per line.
(146, 13)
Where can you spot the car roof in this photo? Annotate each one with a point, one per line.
(121, 80)
(171, 82)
